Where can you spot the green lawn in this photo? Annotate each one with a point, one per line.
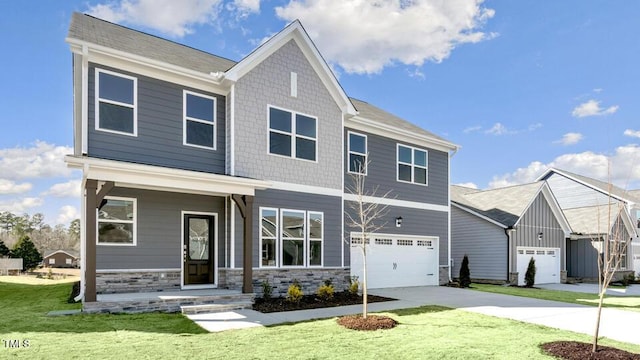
(425, 332)
(625, 302)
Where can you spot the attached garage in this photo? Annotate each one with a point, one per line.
(547, 264)
(396, 260)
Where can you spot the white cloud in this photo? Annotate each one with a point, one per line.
(570, 139)
(18, 206)
(70, 188)
(40, 160)
(174, 18)
(498, 129)
(632, 133)
(468, 185)
(67, 214)
(622, 168)
(471, 129)
(592, 108)
(365, 36)
(11, 187)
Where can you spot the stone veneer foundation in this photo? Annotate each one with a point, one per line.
(280, 279)
(127, 282)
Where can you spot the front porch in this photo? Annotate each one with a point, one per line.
(185, 301)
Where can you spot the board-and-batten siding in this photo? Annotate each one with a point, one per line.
(160, 129)
(279, 199)
(158, 228)
(582, 259)
(414, 222)
(571, 194)
(382, 171)
(484, 243)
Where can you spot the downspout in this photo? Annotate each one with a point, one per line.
(508, 231)
(451, 154)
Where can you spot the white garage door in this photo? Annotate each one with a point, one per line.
(396, 260)
(547, 264)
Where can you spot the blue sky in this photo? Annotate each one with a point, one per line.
(520, 85)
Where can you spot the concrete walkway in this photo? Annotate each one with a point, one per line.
(631, 290)
(615, 324)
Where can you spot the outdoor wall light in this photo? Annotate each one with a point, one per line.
(539, 236)
(399, 221)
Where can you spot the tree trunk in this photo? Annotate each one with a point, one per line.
(595, 333)
(364, 280)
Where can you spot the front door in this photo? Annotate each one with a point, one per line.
(198, 255)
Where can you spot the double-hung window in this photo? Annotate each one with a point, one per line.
(199, 120)
(292, 134)
(357, 153)
(116, 103)
(412, 165)
(291, 238)
(117, 222)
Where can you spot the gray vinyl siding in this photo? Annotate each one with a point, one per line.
(582, 259)
(329, 205)
(414, 222)
(382, 171)
(540, 219)
(269, 84)
(160, 129)
(158, 228)
(484, 243)
(572, 194)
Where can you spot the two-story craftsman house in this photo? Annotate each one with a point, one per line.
(201, 172)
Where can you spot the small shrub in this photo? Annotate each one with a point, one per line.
(75, 291)
(328, 282)
(325, 292)
(49, 274)
(465, 274)
(530, 275)
(267, 290)
(354, 285)
(294, 293)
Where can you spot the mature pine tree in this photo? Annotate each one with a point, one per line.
(465, 274)
(26, 250)
(4, 250)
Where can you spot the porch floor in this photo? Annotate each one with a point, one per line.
(186, 301)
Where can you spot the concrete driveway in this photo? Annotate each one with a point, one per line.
(615, 324)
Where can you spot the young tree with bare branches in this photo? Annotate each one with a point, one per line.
(366, 215)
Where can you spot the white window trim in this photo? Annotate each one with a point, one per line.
(276, 241)
(412, 165)
(134, 222)
(98, 100)
(309, 239)
(68, 261)
(52, 261)
(292, 134)
(305, 249)
(366, 148)
(186, 118)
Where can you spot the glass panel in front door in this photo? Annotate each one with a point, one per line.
(198, 239)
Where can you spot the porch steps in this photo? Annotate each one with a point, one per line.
(215, 308)
(187, 302)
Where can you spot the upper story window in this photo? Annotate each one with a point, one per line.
(357, 153)
(292, 134)
(412, 165)
(117, 222)
(116, 101)
(199, 120)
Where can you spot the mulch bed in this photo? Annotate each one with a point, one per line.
(372, 322)
(313, 302)
(574, 350)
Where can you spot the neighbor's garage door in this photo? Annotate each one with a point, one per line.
(547, 264)
(395, 260)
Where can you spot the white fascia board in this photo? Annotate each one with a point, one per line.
(373, 127)
(562, 173)
(149, 67)
(479, 215)
(61, 251)
(556, 209)
(531, 200)
(317, 190)
(164, 179)
(295, 31)
(398, 203)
